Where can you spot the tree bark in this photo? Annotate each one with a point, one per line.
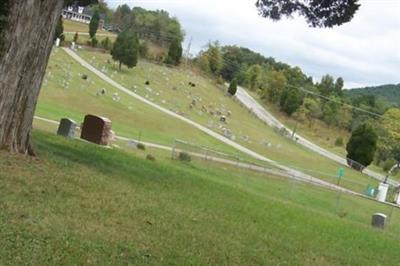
(26, 46)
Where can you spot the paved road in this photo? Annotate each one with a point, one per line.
(267, 117)
(292, 172)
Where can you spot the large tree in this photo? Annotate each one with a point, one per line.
(318, 13)
(94, 24)
(27, 31)
(174, 53)
(126, 49)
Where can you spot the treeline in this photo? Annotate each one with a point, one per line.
(298, 96)
(155, 26)
(388, 92)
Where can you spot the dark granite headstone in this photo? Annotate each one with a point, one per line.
(66, 128)
(96, 129)
(378, 220)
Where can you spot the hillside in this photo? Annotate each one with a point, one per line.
(388, 92)
(83, 204)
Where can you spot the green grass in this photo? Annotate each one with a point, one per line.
(168, 87)
(130, 117)
(83, 204)
(75, 26)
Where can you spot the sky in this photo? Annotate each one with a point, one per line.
(365, 51)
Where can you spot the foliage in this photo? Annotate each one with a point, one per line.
(339, 141)
(290, 100)
(184, 156)
(389, 93)
(126, 49)
(94, 24)
(174, 53)
(141, 146)
(59, 30)
(232, 87)
(143, 49)
(106, 43)
(122, 17)
(362, 144)
(317, 13)
(276, 83)
(150, 157)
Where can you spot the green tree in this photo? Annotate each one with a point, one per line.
(203, 63)
(94, 24)
(215, 57)
(59, 30)
(290, 100)
(276, 83)
(126, 49)
(232, 89)
(174, 53)
(318, 13)
(254, 76)
(362, 144)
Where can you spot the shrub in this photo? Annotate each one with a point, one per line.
(141, 146)
(184, 157)
(150, 157)
(220, 80)
(106, 43)
(388, 164)
(339, 142)
(233, 87)
(76, 36)
(94, 42)
(362, 144)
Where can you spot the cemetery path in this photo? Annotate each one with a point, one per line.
(247, 100)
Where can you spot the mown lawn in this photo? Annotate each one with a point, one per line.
(82, 204)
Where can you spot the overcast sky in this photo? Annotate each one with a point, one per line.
(365, 51)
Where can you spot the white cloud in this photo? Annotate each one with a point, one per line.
(364, 52)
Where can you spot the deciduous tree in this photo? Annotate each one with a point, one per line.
(126, 49)
(27, 30)
(318, 13)
(362, 144)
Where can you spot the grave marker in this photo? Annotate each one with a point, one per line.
(96, 129)
(66, 128)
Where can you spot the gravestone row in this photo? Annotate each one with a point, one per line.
(95, 129)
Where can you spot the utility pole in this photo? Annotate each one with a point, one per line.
(187, 52)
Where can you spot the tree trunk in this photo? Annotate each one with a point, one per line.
(27, 40)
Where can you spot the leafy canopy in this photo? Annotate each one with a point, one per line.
(318, 13)
(126, 49)
(362, 144)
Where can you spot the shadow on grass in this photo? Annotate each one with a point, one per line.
(69, 153)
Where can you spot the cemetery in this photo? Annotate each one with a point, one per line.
(148, 160)
(207, 103)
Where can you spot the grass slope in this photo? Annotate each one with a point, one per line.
(83, 204)
(169, 88)
(66, 94)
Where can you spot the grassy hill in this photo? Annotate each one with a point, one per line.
(169, 88)
(389, 92)
(83, 204)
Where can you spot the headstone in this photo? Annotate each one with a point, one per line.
(58, 42)
(96, 129)
(378, 220)
(222, 119)
(382, 192)
(73, 45)
(66, 128)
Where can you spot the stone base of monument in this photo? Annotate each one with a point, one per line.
(66, 128)
(382, 192)
(97, 129)
(378, 220)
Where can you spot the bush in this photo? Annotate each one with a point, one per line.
(141, 146)
(220, 80)
(76, 36)
(150, 157)
(184, 157)
(339, 142)
(106, 43)
(362, 145)
(233, 87)
(388, 164)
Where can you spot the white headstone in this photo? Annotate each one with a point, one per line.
(382, 192)
(58, 42)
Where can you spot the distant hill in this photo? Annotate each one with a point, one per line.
(389, 92)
